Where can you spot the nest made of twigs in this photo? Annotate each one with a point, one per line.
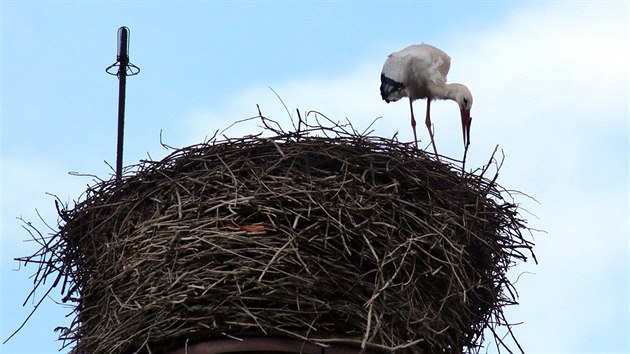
(336, 237)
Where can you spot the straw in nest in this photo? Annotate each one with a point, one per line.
(321, 234)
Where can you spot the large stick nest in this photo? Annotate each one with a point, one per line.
(328, 237)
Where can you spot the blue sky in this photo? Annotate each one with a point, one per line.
(550, 81)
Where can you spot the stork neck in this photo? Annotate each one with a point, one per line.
(449, 91)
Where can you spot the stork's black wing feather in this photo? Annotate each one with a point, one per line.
(389, 87)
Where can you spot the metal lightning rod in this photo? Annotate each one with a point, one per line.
(122, 68)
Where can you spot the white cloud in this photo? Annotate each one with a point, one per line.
(550, 87)
(26, 180)
(544, 72)
(352, 95)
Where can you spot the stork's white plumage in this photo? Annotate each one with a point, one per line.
(419, 71)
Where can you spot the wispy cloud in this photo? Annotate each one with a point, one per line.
(550, 86)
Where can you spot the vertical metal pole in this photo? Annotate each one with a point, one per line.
(125, 68)
(123, 58)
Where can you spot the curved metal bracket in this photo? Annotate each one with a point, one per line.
(131, 69)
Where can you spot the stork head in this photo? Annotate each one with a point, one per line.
(461, 94)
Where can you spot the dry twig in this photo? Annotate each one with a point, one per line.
(357, 239)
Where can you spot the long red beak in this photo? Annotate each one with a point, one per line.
(466, 120)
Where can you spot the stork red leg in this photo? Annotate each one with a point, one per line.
(428, 123)
(413, 123)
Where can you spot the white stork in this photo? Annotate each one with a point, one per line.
(419, 71)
